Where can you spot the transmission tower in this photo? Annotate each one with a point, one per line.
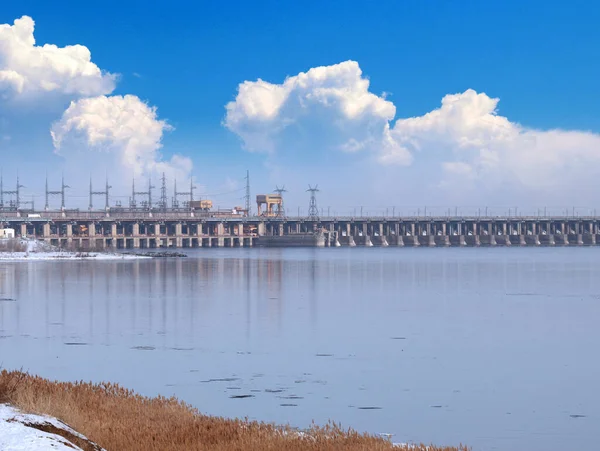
(247, 197)
(60, 193)
(189, 193)
(16, 193)
(162, 205)
(281, 206)
(313, 211)
(104, 193)
(146, 204)
(1, 190)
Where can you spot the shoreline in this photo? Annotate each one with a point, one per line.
(66, 255)
(135, 423)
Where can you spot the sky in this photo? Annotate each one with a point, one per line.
(400, 106)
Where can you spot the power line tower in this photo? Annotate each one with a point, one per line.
(189, 193)
(17, 193)
(145, 204)
(60, 193)
(281, 207)
(105, 193)
(1, 189)
(313, 211)
(247, 197)
(162, 205)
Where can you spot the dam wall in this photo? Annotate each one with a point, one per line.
(99, 230)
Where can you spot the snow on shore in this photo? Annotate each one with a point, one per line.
(20, 431)
(40, 251)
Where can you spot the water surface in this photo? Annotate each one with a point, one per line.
(496, 348)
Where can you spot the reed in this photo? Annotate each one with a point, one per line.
(119, 419)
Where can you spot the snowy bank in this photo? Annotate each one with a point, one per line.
(42, 256)
(21, 431)
(33, 250)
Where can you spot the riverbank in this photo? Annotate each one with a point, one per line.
(119, 419)
(18, 249)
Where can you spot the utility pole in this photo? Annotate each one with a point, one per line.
(247, 197)
(60, 193)
(1, 189)
(280, 207)
(313, 211)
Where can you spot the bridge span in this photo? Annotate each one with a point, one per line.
(134, 230)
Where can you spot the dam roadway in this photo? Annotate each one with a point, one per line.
(184, 229)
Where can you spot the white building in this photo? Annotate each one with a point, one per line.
(7, 233)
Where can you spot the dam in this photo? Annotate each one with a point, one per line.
(188, 229)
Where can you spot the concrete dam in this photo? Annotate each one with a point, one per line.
(144, 230)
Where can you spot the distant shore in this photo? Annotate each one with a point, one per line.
(110, 417)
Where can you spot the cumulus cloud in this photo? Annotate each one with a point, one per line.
(121, 133)
(325, 108)
(98, 133)
(28, 69)
(464, 149)
(473, 143)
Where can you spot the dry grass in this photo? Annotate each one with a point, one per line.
(119, 419)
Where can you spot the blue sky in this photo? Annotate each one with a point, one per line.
(540, 59)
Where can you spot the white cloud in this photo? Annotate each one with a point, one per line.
(120, 133)
(27, 69)
(326, 108)
(472, 141)
(464, 149)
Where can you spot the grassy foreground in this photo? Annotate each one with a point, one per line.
(118, 419)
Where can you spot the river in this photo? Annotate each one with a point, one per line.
(496, 348)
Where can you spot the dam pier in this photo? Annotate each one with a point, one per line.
(187, 229)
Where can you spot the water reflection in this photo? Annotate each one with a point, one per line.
(376, 338)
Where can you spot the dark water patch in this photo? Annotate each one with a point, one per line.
(255, 391)
(578, 416)
(288, 405)
(291, 397)
(258, 375)
(223, 379)
(75, 343)
(369, 408)
(233, 388)
(5, 336)
(57, 324)
(144, 348)
(271, 390)
(436, 407)
(323, 355)
(299, 381)
(194, 371)
(182, 349)
(241, 396)
(398, 338)
(8, 300)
